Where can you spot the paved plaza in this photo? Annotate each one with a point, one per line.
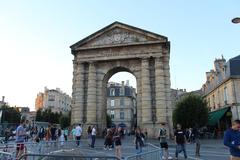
(210, 149)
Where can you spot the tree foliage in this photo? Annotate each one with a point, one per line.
(109, 121)
(191, 111)
(47, 115)
(10, 114)
(64, 121)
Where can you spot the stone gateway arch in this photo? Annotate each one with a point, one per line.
(121, 47)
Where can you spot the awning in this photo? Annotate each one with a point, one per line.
(215, 116)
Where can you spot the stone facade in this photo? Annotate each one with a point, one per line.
(222, 88)
(53, 99)
(122, 105)
(39, 101)
(120, 47)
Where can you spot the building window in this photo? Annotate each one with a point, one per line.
(112, 92)
(121, 102)
(208, 102)
(213, 97)
(112, 114)
(51, 98)
(225, 95)
(121, 115)
(112, 103)
(121, 91)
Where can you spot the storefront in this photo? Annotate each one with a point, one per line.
(219, 121)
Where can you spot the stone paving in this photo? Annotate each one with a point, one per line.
(210, 149)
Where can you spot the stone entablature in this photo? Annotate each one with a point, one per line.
(120, 52)
(97, 58)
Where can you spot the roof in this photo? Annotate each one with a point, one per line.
(115, 25)
(236, 58)
(235, 66)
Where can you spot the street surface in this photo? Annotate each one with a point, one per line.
(211, 149)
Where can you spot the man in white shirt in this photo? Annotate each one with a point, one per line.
(78, 133)
(93, 136)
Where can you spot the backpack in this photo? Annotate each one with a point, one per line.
(162, 132)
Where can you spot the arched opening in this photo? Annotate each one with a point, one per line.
(120, 98)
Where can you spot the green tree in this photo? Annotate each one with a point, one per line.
(47, 115)
(191, 111)
(10, 114)
(39, 115)
(64, 121)
(109, 121)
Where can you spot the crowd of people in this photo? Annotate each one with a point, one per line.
(113, 137)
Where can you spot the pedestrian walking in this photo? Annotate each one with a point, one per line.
(180, 140)
(73, 133)
(62, 139)
(78, 133)
(20, 136)
(139, 140)
(232, 140)
(196, 139)
(53, 130)
(41, 133)
(89, 135)
(118, 143)
(7, 134)
(48, 133)
(108, 140)
(163, 142)
(93, 136)
(66, 134)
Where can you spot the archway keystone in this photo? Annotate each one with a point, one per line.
(121, 47)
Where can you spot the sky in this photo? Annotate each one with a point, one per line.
(35, 37)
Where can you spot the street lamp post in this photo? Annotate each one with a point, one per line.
(236, 20)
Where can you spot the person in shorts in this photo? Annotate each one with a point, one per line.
(20, 136)
(163, 142)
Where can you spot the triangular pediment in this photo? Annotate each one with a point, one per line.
(118, 34)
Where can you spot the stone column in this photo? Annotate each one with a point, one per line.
(91, 95)
(168, 93)
(78, 93)
(167, 87)
(139, 98)
(146, 92)
(160, 91)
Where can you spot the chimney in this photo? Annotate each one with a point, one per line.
(3, 97)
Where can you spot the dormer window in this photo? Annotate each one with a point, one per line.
(112, 92)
